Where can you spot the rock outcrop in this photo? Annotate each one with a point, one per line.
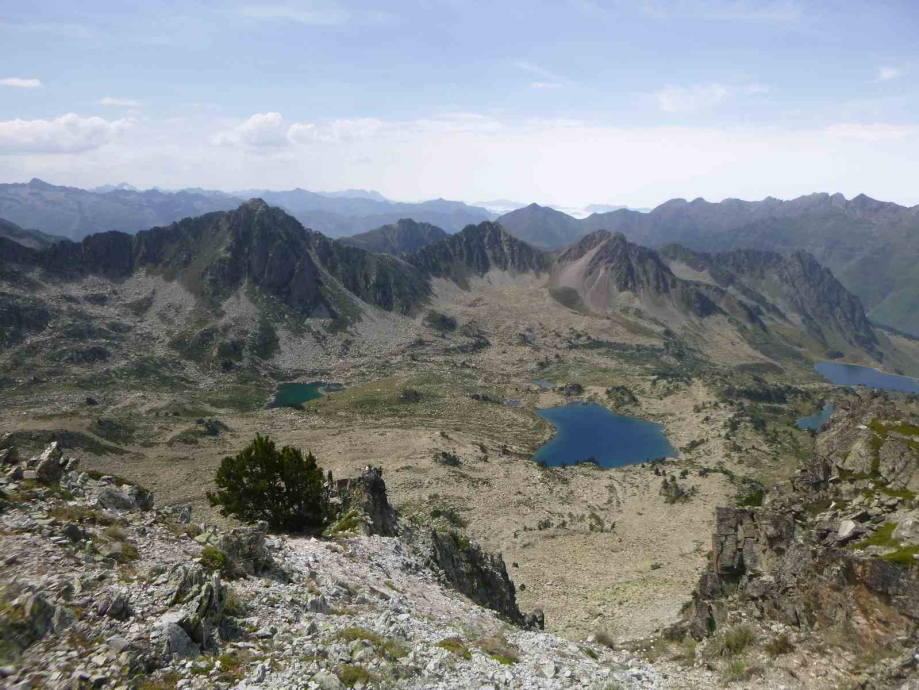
(361, 505)
(478, 574)
(835, 548)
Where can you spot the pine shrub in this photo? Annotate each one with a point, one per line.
(281, 487)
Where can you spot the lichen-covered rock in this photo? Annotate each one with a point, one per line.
(246, 551)
(899, 464)
(907, 529)
(204, 609)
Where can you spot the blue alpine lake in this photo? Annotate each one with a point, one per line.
(853, 375)
(543, 383)
(592, 431)
(291, 394)
(815, 421)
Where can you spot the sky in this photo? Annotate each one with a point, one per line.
(568, 102)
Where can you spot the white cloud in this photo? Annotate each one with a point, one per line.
(313, 14)
(780, 12)
(261, 131)
(21, 83)
(545, 85)
(66, 134)
(121, 102)
(687, 99)
(875, 132)
(888, 73)
(755, 89)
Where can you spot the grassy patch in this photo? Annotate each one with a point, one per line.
(779, 645)
(883, 537)
(84, 514)
(355, 633)
(733, 642)
(499, 649)
(350, 675)
(456, 646)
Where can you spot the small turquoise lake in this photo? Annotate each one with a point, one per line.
(292, 394)
(592, 431)
(815, 421)
(853, 375)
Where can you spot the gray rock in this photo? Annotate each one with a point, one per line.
(176, 642)
(113, 551)
(73, 532)
(48, 465)
(9, 456)
(847, 530)
(907, 529)
(327, 681)
(318, 605)
(548, 669)
(113, 499)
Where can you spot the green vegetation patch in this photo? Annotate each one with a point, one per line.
(455, 645)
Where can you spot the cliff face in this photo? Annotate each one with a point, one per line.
(834, 549)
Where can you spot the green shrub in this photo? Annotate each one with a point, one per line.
(214, 559)
(281, 487)
(734, 641)
(779, 645)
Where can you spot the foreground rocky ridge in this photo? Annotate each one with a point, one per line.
(834, 551)
(101, 589)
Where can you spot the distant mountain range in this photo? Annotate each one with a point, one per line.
(871, 246)
(787, 307)
(75, 213)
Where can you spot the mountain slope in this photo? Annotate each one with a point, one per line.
(475, 251)
(542, 227)
(610, 273)
(795, 284)
(75, 213)
(28, 238)
(397, 239)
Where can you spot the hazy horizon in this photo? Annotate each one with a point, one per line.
(570, 103)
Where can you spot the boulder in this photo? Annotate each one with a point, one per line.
(246, 551)
(318, 605)
(9, 456)
(848, 529)
(177, 643)
(113, 499)
(907, 529)
(899, 464)
(48, 468)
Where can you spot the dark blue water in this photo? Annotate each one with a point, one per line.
(513, 403)
(544, 383)
(815, 421)
(289, 394)
(585, 431)
(852, 375)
